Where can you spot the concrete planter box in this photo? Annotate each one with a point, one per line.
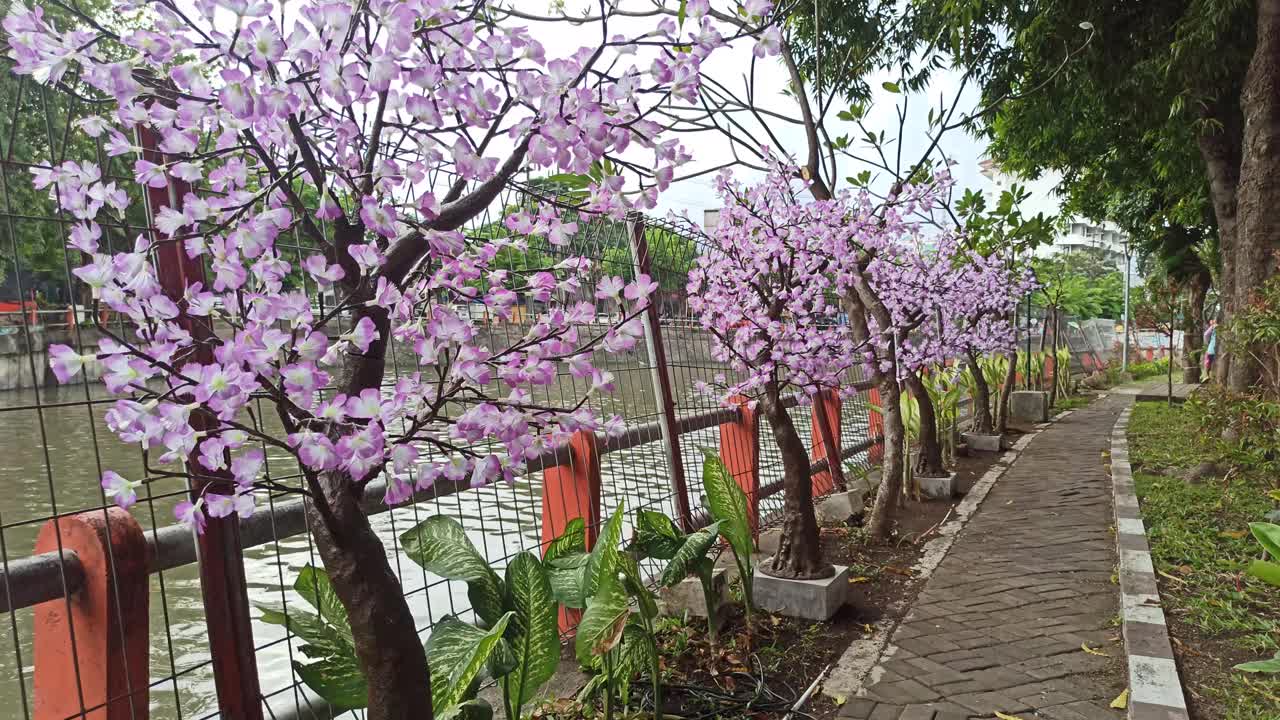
(939, 488)
(983, 443)
(807, 599)
(1029, 405)
(839, 507)
(687, 597)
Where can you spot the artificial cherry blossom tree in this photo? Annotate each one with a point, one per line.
(950, 303)
(765, 290)
(376, 132)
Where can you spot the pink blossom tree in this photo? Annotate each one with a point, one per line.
(375, 132)
(950, 304)
(766, 291)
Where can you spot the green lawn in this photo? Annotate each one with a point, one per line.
(1201, 545)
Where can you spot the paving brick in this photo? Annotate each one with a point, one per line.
(857, 709)
(998, 627)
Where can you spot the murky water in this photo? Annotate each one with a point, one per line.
(52, 456)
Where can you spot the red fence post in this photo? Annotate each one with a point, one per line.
(740, 450)
(569, 492)
(91, 649)
(222, 579)
(875, 426)
(825, 425)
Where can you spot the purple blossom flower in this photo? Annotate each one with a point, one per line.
(191, 514)
(124, 492)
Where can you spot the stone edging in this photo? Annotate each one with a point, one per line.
(848, 675)
(1155, 691)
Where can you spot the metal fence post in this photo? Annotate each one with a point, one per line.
(92, 647)
(658, 374)
(740, 450)
(825, 423)
(222, 579)
(570, 492)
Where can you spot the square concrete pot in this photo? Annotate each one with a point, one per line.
(839, 507)
(983, 443)
(1029, 405)
(807, 599)
(686, 596)
(937, 488)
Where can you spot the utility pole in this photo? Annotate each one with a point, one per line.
(1124, 341)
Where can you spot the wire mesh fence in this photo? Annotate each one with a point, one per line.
(56, 442)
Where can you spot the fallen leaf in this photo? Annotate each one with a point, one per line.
(1004, 716)
(1122, 700)
(840, 700)
(1085, 647)
(858, 579)
(1234, 534)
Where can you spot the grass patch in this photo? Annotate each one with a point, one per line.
(1200, 545)
(1062, 404)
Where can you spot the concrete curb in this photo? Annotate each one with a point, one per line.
(848, 677)
(1155, 690)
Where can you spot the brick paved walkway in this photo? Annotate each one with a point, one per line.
(999, 626)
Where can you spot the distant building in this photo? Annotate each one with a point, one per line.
(710, 219)
(1105, 240)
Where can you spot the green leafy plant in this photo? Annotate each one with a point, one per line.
(612, 638)
(458, 654)
(659, 538)
(1261, 666)
(946, 388)
(1062, 370)
(728, 505)
(1268, 536)
(334, 672)
(522, 601)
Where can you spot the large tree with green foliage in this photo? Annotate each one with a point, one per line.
(1177, 105)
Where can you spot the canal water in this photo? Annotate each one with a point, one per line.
(55, 445)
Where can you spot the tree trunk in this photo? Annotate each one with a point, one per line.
(1053, 352)
(1220, 147)
(982, 421)
(858, 304)
(799, 554)
(386, 637)
(1258, 195)
(1193, 328)
(1006, 389)
(928, 462)
(889, 495)
(386, 640)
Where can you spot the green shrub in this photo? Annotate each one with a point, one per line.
(1156, 368)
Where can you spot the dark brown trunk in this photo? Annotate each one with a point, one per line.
(799, 552)
(928, 460)
(386, 637)
(889, 495)
(1006, 388)
(1258, 194)
(383, 629)
(1193, 328)
(982, 421)
(1220, 144)
(1053, 352)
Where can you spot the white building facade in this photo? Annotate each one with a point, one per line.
(1104, 240)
